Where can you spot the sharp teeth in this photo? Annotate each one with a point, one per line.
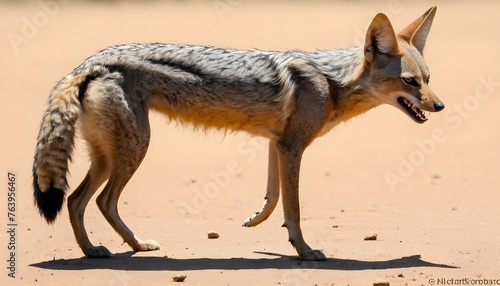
(422, 116)
(418, 112)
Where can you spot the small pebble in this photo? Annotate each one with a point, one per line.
(213, 235)
(372, 236)
(179, 278)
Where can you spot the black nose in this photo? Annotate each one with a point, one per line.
(438, 106)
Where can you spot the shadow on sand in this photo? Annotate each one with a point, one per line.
(126, 261)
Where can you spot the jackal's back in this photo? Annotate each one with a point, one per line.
(204, 86)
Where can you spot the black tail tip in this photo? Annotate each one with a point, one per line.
(50, 202)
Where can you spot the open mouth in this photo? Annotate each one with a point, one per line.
(415, 113)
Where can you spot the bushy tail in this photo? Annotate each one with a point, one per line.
(55, 144)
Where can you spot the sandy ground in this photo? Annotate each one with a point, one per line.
(429, 191)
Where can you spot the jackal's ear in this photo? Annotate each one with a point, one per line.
(416, 33)
(380, 38)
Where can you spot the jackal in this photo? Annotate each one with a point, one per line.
(290, 97)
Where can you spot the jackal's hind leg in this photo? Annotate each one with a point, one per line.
(108, 204)
(125, 165)
(77, 202)
(273, 190)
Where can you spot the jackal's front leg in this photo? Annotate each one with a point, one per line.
(273, 190)
(312, 106)
(289, 162)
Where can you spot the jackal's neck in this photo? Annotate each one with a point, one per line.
(346, 72)
(342, 66)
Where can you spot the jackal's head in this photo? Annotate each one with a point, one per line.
(397, 71)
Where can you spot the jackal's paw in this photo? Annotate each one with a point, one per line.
(146, 245)
(250, 221)
(97, 252)
(313, 255)
(255, 219)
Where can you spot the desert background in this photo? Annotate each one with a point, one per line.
(430, 192)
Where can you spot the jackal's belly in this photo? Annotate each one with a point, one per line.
(229, 114)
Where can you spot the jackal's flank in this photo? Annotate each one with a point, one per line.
(289, 97)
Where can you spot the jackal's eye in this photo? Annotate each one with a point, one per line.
(410, 81)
